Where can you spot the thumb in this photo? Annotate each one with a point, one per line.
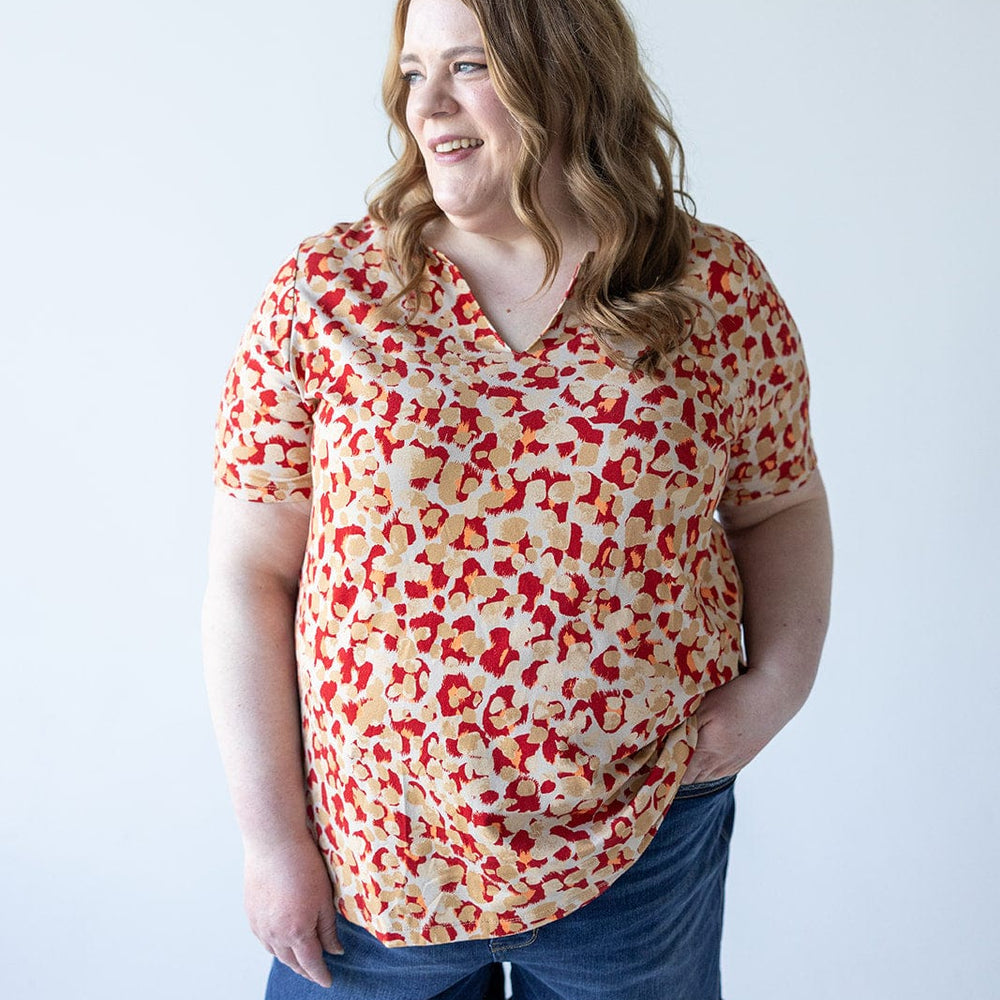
(326, 928)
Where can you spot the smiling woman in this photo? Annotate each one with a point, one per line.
(466, 136)
(590, 142)
(520, 551)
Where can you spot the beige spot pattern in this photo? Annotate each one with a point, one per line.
(515, 591)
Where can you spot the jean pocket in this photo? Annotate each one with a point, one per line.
(699, 788)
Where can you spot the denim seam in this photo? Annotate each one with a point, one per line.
(700, 789)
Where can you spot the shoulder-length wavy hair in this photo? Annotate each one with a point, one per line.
(569, 71)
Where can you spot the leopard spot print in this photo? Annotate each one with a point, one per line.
(515, 591)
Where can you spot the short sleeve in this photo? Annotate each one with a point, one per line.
(773, 451)
(264, 427)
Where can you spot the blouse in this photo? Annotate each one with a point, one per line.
(515, 590)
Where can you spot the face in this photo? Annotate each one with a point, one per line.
(467, 137)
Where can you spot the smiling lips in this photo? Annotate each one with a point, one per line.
(449, 145)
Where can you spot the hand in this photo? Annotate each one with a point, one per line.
(289, 900)
(735, 722)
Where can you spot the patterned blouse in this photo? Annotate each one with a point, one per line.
(515, 590)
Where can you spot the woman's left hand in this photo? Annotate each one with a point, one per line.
(735, 722)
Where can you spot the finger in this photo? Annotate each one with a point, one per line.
(693, 768)
(702, 768)
(287, 957)
(327, 929)
(309, 955)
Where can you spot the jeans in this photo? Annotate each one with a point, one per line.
(654, 934)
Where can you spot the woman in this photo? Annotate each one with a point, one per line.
(531, 444)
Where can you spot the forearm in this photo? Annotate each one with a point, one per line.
(785, 563)
(251, 679)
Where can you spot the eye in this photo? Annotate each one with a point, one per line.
(469, 67)
(410, 77)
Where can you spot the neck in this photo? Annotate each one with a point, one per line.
(500, 234)
(508, 239)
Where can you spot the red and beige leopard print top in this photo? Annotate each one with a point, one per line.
(515, 590)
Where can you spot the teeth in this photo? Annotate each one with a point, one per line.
(450, 147)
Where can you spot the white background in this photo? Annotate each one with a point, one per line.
(159, 161)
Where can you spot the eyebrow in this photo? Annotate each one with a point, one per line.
(448, 54)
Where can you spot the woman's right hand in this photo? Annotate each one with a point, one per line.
(289, 900)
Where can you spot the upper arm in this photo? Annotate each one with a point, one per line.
(264, 427)
(737, 516)
(257, 541)
(772, 462)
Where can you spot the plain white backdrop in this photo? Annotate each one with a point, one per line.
(159, 161)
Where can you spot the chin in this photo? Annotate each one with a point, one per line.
(481, 214)
(452, 202)
(460, 215)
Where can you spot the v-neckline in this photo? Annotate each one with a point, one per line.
(487, 328)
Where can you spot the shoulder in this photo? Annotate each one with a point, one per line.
(721, 262)
(709, 240)
(344, 266)
(341, 272)
(743, 310)
(727, 274)
(326, 255)
(346, 243)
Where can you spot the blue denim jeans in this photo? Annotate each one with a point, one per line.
(654, 934)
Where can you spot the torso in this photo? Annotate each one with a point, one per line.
(515, 591)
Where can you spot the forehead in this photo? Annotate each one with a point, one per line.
(440, 24)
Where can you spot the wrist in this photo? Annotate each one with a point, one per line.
(277, 840)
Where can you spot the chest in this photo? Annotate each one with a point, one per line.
(449, 421)
(516, 308)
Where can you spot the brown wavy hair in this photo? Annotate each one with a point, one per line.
(569, 69)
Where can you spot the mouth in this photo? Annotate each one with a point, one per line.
(452, 145)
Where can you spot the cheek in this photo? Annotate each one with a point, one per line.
(502, 126)
(411, 118)
(490, 110)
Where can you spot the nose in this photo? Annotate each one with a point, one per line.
(433, 97)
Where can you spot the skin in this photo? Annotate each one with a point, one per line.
(784, 552)
(451, 94)
(781, 545)
(255, 555)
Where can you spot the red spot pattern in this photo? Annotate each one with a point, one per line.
(515, 591)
